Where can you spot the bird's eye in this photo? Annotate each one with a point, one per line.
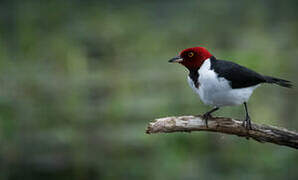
(190, 54)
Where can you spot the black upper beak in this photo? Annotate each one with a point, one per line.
(176, 59)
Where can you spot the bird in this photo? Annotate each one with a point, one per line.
(222, 83)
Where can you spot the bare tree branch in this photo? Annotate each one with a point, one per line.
(260, 133)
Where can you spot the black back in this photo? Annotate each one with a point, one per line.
(239, 76)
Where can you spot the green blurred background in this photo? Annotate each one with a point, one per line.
(81, 79)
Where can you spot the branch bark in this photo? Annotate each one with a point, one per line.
(260, 133)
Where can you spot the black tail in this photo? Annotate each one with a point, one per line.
(280, 82)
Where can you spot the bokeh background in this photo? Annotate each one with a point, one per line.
(81, 79)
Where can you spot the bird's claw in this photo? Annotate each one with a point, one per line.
(247, 125)
(206, 116)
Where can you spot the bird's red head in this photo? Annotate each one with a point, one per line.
(192, 58)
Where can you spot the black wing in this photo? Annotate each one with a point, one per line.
(239, 76)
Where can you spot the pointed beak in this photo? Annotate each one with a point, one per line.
(176, 59)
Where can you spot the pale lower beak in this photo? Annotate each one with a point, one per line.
(176, 59)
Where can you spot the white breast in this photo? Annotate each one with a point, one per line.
(216, 91)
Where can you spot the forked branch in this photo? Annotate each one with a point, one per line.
(260, 133)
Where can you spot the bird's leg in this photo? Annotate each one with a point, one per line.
(208, 115)
(246, 123)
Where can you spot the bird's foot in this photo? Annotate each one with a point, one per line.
(247, 125)
(206, 116)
